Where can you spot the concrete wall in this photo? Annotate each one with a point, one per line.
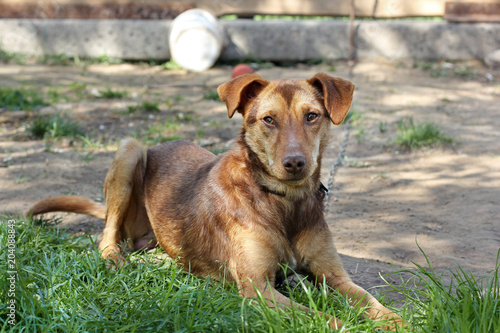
(265, 40)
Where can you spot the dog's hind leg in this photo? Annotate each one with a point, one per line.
(124, 178)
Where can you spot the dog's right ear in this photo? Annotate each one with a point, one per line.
(239, 91)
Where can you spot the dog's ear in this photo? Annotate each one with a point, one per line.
(239, 91)
(336, 93)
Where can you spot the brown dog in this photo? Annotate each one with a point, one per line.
(242, 213)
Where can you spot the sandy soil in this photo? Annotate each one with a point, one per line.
(385, 202)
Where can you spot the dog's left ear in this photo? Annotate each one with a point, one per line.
(336, 93)
(239, 91)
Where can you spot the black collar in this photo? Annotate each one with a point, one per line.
(322, 188)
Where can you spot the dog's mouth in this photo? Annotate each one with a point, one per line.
(295, 181)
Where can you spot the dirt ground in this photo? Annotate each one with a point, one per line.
(385, 202)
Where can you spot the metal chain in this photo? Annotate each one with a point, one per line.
(337, 164)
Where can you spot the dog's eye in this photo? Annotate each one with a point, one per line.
(269, 120)
(311, 116)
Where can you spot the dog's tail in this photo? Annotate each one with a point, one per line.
(68, 203)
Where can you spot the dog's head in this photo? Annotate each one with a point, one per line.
(286, 123)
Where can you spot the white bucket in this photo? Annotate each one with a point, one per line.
(195, 40)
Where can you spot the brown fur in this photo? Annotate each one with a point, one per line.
(242, 213)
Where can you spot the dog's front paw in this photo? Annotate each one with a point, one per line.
(391, 321)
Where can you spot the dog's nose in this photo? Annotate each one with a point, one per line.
(294, 164)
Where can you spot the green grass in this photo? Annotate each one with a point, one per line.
(110, 93)
(144, 106)
(55, 60)
(461, 303)
(211, 95)
(160, 133)
(334, 18)
(54, 127)
(91, 143)
(414, 136)
(171, 65)
(63, 285)
(14, 57)
(447, 69)
(103, 60)
(20, 99)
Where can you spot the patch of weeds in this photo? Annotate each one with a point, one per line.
(20, 99)
(383, 175)
(356, 125)
(21, 179)
(250, 59)
(187, 117)
(105, 60)
(229, 17)
(77, 86)
(144, 106)
(212, 95)
(215, 124)
(54, 60)
(150, 106)
(357, 164)
(461, 303)
(56, 94)
(178, 98)
(446, 69)
(110, 93)
(48, 148)
(78, 89)
(87, 157)
(423, 65)
(313, 62)
(382, 127)
(171, 65)
(17, 58)
(446, 100)
(90, 143)
(200, 133)
(414, 136)
(353, 116)
(359, 134)
(159, 133)
(54, 127)
(464, 70)
(293, 18)
(102, 60)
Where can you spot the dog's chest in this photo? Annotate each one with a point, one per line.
(291, 260)
(290, 269)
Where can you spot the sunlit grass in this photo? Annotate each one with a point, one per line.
(413, 136)
(20, 99)
(63, 285)
(54, 127)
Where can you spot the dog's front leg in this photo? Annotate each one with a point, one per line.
(325, 264)
(251, 288)
(254, 265)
